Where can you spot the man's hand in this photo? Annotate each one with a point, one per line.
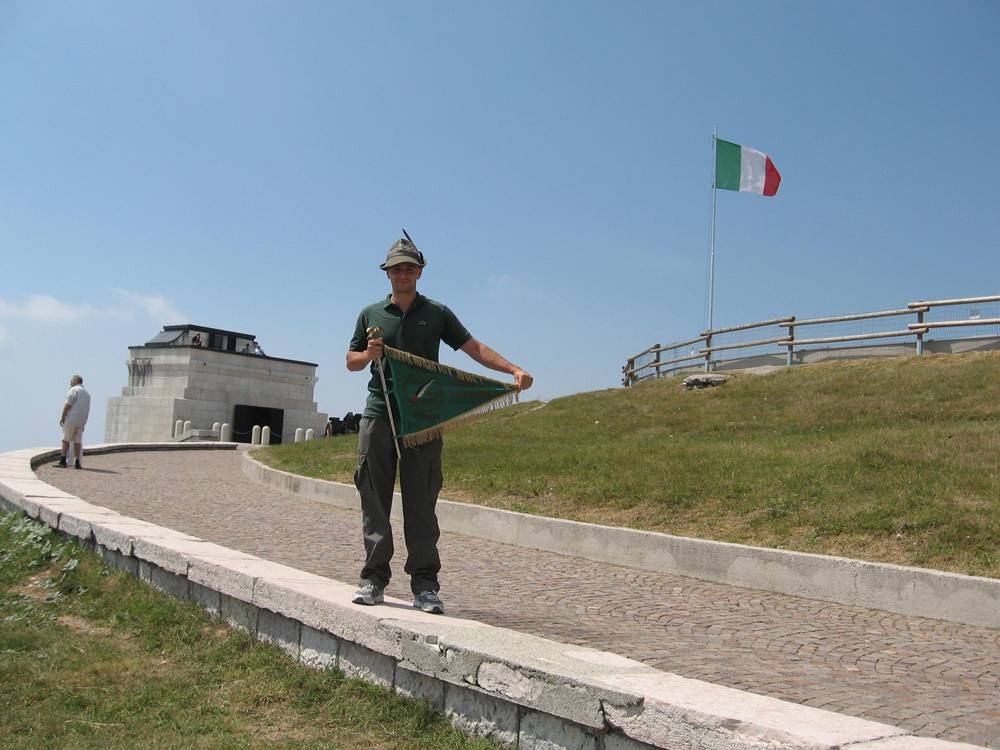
(374, 350)
(357, 361)
(523, 380)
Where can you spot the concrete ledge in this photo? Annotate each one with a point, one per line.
(519, 689)
(42, 455)
(918, 592)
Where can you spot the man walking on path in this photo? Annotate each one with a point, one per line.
(74, 420)
(415, 324)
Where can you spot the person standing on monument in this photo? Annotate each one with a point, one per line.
(73, 421)
(415, 324)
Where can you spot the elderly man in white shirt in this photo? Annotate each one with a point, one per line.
(74, 420)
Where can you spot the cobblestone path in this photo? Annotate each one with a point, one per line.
(932, 677)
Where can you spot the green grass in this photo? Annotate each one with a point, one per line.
(92, 658)
(895, 460)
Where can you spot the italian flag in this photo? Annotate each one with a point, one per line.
(745, 169)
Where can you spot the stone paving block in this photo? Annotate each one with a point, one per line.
(527, 670)
(120, 533)
(33, 488)
(914, 743)
(34, 505)
(76, 525)
(279, 630)
(238, 613)
(326, 605)
(117, 560)
(681, 712)
(163, 580)
(546, 732)
(474, 712)
(234, 575)
(548, 692)
(365, 664)
(31, 505)
(49, 516)
(318, 649)
(206, 598)
(423, 653)
(613, 741)
(230, 578)
(419, 687)
(175, 553)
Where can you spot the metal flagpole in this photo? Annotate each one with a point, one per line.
(711, 247)
(376, 333)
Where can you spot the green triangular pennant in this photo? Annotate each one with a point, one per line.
(432, 397)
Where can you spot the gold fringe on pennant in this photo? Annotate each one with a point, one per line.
(428, 364)
(433, 433)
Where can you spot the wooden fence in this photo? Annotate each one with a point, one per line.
(754, 343)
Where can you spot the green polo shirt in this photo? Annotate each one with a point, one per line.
(420, 330)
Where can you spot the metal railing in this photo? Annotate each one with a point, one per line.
(854, 336)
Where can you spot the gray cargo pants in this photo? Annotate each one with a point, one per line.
(420, 481)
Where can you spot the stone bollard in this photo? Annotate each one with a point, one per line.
(299, 434)
(255, 435)
(178, 428)
(188, 425)
(216, 426)
(310, 434)
(226, 433)
(265, 436)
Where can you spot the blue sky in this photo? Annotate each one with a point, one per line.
(246, 165)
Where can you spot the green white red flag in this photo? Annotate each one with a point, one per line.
(745, 169)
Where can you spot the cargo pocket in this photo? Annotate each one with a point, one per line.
(360, 471)
(436, 478)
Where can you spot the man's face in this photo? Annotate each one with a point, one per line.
(403, 276)
(73, 381)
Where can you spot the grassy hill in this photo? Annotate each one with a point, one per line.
(895, 460)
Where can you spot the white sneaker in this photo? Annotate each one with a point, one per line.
(368, 593)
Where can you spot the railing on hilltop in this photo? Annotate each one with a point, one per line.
(853, 336)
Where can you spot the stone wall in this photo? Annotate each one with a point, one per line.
(204, 386)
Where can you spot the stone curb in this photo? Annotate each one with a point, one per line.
(916, 592)
(517, 688)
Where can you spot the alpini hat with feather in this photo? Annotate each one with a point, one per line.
(403, 251)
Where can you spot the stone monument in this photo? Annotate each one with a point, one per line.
(202, 375)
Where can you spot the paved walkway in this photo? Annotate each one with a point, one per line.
(934, 678)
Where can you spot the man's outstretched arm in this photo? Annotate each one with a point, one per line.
(489, 358)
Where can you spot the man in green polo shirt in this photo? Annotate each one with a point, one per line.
(415, 324)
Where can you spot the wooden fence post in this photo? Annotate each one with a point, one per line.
(791, 342)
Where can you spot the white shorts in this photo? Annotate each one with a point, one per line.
(73, 433)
